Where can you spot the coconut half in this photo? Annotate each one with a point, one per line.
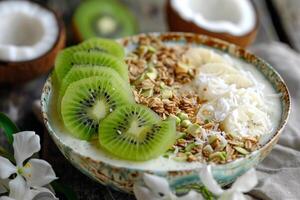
(30, 38)
(232, 20)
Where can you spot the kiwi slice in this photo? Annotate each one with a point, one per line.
(87, 101)
(135, 132)
(85, 71)
(104, 46)
(103, 18)
(64, 62)
(100, 59)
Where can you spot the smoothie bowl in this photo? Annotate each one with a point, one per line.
(183, 101)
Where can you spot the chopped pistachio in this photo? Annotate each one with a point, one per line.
(139, 80)
(241, 150)
(148, 92)
(189, 147)
(162, 85)
(181, 141)
(180, 135)
(223, 143)
(150, 65)
(208, 149)
(185, 123)
(220, 154)
(147, 84)
(146, 48)
(151, 73)
(193, 129)
(206, 121)
(182, 67)
(143, 48)
(166, 93)
(236, 143)
(212, 138)
(151, 49)
(177, 119)
(183, 116)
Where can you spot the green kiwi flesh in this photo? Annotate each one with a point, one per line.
(85, 71)
(87, 101)
(101, 59)
(104, 46)
(64, 62)
(103, 18)
(135, 132)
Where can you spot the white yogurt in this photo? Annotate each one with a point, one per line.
(271, 103)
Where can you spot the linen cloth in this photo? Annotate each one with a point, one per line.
(279, 173)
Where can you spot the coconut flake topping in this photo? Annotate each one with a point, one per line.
(235, 99)
(27, 30)
(236, 17)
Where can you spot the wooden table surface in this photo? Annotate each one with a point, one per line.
(17, 101)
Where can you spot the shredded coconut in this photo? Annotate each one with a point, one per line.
(240, 107)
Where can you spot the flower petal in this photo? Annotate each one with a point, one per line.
(2, 189)
(18, 188)
(41, 193)
(246, 182)
(209, 181)
(143, 193)
(6, 168)
(38, 172)
(191, 196)
(3, 185)
(158, 185)
(6, 198)
(25, 144)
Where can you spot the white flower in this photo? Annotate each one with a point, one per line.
(242, 185)
(31, 176)
(157, 188)
(3, 186)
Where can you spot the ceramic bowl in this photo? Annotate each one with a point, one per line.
(109, 172)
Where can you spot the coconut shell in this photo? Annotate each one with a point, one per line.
(176, 23)
(76, 34)
(20, 72)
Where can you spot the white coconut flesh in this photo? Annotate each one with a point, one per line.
(28, 30)
(236, 17)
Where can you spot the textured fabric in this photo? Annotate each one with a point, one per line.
(279, 173)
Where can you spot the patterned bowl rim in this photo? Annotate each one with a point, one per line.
(194, 39)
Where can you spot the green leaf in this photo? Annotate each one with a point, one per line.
(68, 193)
(6, 154)
(8, 126)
